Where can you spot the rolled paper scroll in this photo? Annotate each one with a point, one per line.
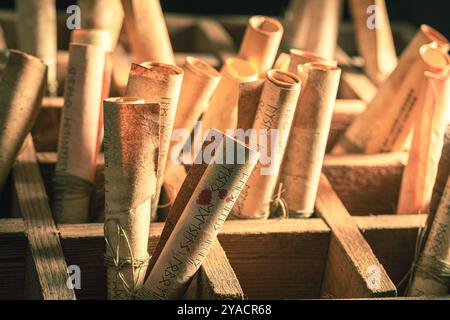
(272, 124)
(300, 57)
(260, 43)
(375, 40)
(147, 32)
(77, 144)
(131, 148)
(102, 14)
(201, 219)
(158, 83)
(442, 173)
(249, 96)
(432, 271)
(305, 152)
(363, 135)
(282, 61)
(37, 34)
(429, 129)
(222, 111)
(199, 82)
(22, 86)
(313, 25)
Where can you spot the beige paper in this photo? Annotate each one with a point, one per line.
(276, 111)
(363, 135)
(201, 220)
(442, 173)
(249, 96)
(37, 34)
(102, 14)
(22, 86)
(300, 57)
(77, 144)
(432, 271)
(375, 40)
(221, 113)
(200, 80)
(131, 147)
(282, 61)
(147, 31)
(158, 83)
(260, 43)
(304, 155)
(313, 25)
(429, 129)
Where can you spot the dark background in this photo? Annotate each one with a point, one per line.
(433, 12)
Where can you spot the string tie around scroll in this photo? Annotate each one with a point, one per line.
(435, 268)
(69, 187)
(114, 260)
(279, 206)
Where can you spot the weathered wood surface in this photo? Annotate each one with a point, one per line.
(46, 269)
(352, 270)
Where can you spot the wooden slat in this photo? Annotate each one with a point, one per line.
(351, 262)
(46, 263)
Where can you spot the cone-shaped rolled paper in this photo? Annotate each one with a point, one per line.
(363, 135)
(21, 89)
(433, 267)
(313, 25)
(77, 144)
(147, 31)
(429, 129)
(202, 218)
(158, 83)
(131, 153)
(199, 82)
(272, 124)
(37, 34)
(300, 57)
(375, 40)
(261, 41)
(304, 155)
(102, 14)
(222, 110)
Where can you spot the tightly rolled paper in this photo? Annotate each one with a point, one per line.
(361, 136)
(376, 44)
(37, 34)
(442, 173)
(249, 96)
(429, 129)
(313, 25)
(303, 160)
(199, 82)
(201, 219)
(432, 271)
(77, 144)
(221, 113)
(272, 124)
(158, 83)
(22, 86)
(282, 61)
(260, 43)
(131, 148)
(147, 32)
(300, 57)
(102, 14)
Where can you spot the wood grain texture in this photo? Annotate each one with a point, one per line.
(351, 262)
(47, 263)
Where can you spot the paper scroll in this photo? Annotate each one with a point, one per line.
(22, 86)
(432, 271)
(260, 43)
(249, 96)
(300, 57)
(37, 34)
(199, 83)
(272, 125)
(131, 147)
(158, 83)
(313, 25)
(375, 40)
(396, 97)
(222, 110)
(442, 173)
(201, 220)
(77, 144)
(303, 160)
(147, 32)
(429, 129)
(102, 14)
(282, 62)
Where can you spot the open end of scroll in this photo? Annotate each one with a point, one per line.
(435, 35)
(434, 58)
(157, 70)
(98, 37)
(283, 79)
(125, 100)
(201, 68)
(265, 24)
(240, 69)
